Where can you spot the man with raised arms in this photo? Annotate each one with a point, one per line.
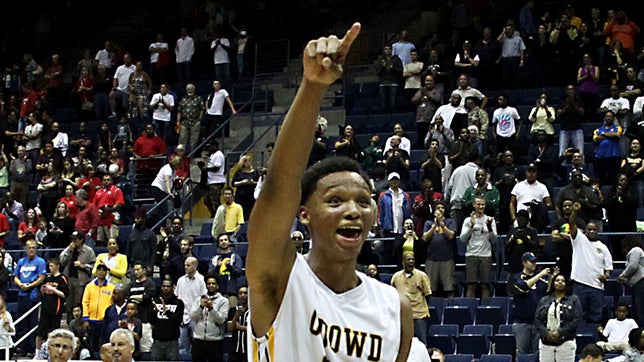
(317, 307)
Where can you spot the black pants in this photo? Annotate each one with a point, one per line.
(210, 351)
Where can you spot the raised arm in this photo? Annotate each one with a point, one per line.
(271, 253)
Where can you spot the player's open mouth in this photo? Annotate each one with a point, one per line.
(350, 232)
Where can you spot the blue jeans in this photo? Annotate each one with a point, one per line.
(592, 301)
(527, 338)
(638, 185)
(185, 337)
(420, 329)
(574, 137)
(388, 95)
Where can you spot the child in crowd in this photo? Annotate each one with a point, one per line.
(617, 329)
(134, 324)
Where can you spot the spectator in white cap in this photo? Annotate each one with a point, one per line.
(394, 206)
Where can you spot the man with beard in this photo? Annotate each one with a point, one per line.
(169, 247)
(577, 191)
(174, 268)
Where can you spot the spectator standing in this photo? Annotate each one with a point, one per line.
(141, 291)
(221, 48)
(166, 320)
(142, 242)
(87, 219)
(227, 266)
(465, 90)
(592, 263)
(542, 116)
(54, 290)
(462, 178)
(412, 73)
(190, 287)
(245, 180)
(162, 105)
(482, 188)
(106, 57)
(427, 99)
(569, 115)
(621, 211)
(543, 155)
(588, 76)
(210, 318)
(77, 260)
(488, 50)
(19, 170)
(557, 318)
(433, 167)
(403, 48)
(189, 114)
(505, 176)
(438, 235)
(521, 239)
(422, 207)
(216, 179)
(238, 318)
(115, 262)
(622, 29)
(414, 283)
(115, 313)
(528, 287)
(347, 144)
(97, 297)
(108, 200)
(512, 56)
(215, 109)
(184, 50)
(506, 131)
(120, 94)
(479, 232)
(394, 206)
(533, 196)
(159, 60)
(633, 276)
(389, 71)
(229, 216)
(607, 150)
(28, 275)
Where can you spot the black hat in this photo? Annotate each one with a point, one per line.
(77, 235)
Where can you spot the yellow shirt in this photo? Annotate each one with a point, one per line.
(234, 217)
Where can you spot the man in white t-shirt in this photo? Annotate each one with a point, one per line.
(449, 110)
(527, 192)
(162, 104)
(221, 58)
(215, 108)
(405, 143)
(592, 264)
(615, 103)
(121, 86)
(216, 177)
(504, 121)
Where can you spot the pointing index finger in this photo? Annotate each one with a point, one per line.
(351, 35)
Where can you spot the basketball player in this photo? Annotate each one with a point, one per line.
(317, 307)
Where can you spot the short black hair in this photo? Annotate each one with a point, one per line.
(592, 350)
(622, 304)
(634, 336)
(325, 167)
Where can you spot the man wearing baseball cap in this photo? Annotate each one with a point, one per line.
(394, 207)
(77, 261)
(527, 288)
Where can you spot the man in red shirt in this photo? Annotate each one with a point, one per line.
(149, 145)
(108, 200)
(4, 228)
(87, 218)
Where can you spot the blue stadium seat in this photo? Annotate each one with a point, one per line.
(504, 344)
(459, 357)
(444, 329)
(206, 251)
(496, 358)
(439, 304)
(443, 342)
(528, 358)
(506, 329)
(499, 301)
(469, 302)
(206, 229)
(455, 314)
(476, 344)
(386, 278)
(484, 329)
(490, 314)
(584, 339)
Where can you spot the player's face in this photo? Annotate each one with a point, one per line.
(339, 214)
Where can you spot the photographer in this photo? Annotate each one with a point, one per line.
(409, 242)
(521, 239)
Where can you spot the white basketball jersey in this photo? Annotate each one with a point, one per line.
(315, 324)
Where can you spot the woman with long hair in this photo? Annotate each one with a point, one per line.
(556, 321)
(27, 229)
(60, 227)
(245, 180)
(348, 145)
(69, 175)
(49, 191)
(588, 82)
(116, 262)
(633, 166)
